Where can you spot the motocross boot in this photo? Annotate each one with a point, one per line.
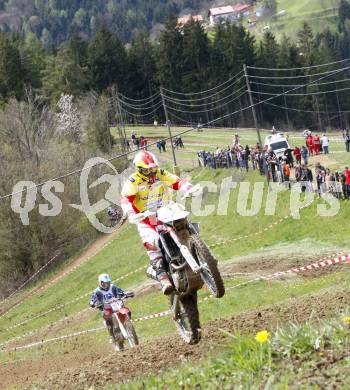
(156, 271)
(109, 326)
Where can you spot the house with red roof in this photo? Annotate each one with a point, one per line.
(184, 19)
(229, 13)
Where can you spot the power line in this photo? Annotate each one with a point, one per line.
(273, 97)
(303, 94)
(203, 104)
(308, 111)
(139, 108)
(303, 67)
(139, 100)
(296, 77)
(143, 115)
(205, 97)
(296, 85)
(208, 109)
(208, 90)
(154, 143)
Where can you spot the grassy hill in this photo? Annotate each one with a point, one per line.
(320, 14)
(88, 362)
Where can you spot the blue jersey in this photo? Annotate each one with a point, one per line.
(100, 297)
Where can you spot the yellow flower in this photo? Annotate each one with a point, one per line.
(262, 337)
(346, 320)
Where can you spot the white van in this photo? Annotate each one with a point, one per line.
(278, 143)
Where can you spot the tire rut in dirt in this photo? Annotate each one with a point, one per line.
(202, 253)
(167, 352)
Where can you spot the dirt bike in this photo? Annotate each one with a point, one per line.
(123, 329)
(115, 216)
(190, 265)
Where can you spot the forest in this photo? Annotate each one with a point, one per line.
(41, 86)
(54, 21)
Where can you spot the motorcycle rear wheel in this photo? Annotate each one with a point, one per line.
(132, 336)
(210, 274)
(187, 320)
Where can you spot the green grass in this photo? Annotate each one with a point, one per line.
(310, 235)
(282, 361)
(318, 13)
(126, 253)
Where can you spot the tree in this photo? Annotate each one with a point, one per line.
(306, 45)
(271, 5)
(27, 127)
(268, 51)
(95, 121)
(68, 118)
(33, 60)
(170, 55)
(107, 60)
(11, 70)
(196, 55)
(63, 75)
(142, 67)
(344, 14)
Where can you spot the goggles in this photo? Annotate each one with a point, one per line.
(148, 171)
(105, 285)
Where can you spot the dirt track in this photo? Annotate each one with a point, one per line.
(82, 366)
(149, 358)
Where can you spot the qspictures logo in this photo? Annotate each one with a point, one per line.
(227, 197)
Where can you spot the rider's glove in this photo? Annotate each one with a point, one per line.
(193, 191)
(129, 294)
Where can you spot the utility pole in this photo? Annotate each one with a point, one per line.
(338, 104)
(121, 116)
(175, 167)
(252, 104)
(318, 115)
(286, 109)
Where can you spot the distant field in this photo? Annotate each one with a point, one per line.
(318, 13)
(209, 139)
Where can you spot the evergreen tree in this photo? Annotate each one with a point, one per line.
(344, 14)
(170, 55)
(63, 75)
(11, 70)
(107, 60)
(196, 54)
(142, 67)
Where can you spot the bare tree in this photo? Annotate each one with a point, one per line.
(27, 127)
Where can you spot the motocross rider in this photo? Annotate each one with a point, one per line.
(146, 189)
(105, 292)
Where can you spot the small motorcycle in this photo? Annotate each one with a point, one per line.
(115, 214)
(190, 265)
(123, 329)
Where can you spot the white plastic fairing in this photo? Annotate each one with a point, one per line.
(172, 212)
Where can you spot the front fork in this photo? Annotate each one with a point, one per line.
(185, 253)
(121, 325)
(175, 306)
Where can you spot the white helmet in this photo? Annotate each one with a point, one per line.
(104, 281)
(146, 163)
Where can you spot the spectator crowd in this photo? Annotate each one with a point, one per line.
(280, 169)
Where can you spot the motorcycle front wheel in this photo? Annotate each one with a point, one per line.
(209, 273)
(186, 318)
(132, 336)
